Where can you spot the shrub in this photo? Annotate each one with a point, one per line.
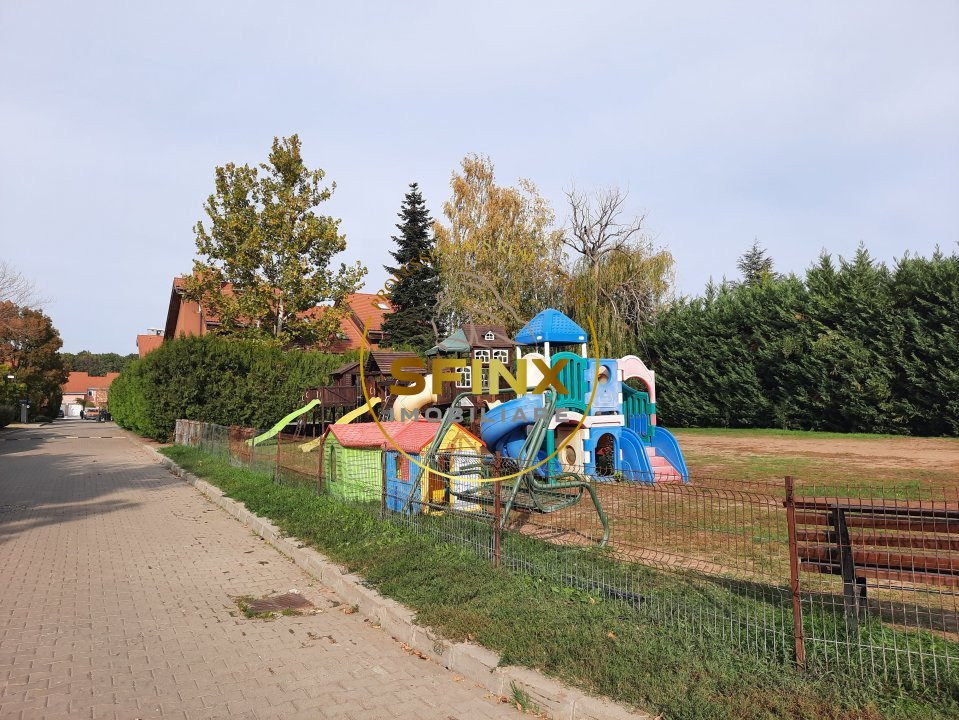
(8, 413)
(213, 379)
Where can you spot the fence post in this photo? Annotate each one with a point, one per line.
(497, 510)
(794, 574)
(383, 481)
(276, 462)
(319, 468)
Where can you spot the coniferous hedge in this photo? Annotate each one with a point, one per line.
(218, 380)
(852, 347)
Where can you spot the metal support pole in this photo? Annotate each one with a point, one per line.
(497, 510)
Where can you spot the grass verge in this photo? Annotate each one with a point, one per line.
(600, 644)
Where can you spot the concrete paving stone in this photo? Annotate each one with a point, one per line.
(121, 581)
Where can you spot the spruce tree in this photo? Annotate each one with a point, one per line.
(415, 279)
(755, 265)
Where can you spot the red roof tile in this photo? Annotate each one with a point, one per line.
(148, 343)
(80, 382)
(363, 307)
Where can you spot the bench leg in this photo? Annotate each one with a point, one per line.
(850, 584)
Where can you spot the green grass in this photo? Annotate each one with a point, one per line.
(675, 663)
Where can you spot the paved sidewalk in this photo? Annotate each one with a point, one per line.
(116, 587)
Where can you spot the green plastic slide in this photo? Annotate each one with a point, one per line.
(275, 430)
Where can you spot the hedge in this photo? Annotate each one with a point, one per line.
(218, 380)
(850, 347)
(8, 413)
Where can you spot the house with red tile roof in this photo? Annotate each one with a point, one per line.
(148, 343)
(187, 317)
(95, 389)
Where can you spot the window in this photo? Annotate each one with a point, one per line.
(484, 379)
(501, 355)
(481, 355)
(466, 377)
(489, 336)
(569, 453)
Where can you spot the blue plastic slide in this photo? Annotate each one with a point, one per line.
(635, 463)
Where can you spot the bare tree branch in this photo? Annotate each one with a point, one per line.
(596, 227)
(15, 288)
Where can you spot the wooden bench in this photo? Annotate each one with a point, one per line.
(895, 543)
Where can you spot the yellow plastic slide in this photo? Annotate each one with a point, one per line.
(275, 430)
(348, 418)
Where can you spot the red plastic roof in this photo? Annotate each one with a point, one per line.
(409, 437)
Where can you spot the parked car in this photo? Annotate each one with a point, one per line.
(91, 413)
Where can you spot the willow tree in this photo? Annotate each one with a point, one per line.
(617, 277)
(265, 260)
(500, 258)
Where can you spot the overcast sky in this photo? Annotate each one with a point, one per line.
(818, 126)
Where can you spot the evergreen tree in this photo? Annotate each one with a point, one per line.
(96, 363)
(414, 280)
(755, 265)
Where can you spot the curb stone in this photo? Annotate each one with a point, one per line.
(474, 662)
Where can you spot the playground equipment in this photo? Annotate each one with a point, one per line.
(276, 429)
(405, 406)
(348, 418)
(524, 491)
(617, 434)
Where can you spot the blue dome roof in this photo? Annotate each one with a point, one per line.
(551, 326)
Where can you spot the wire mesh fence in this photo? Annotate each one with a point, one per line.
(851, 579)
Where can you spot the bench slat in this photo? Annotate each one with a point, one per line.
(909, 576)
(924, 542)
(882, 523)
(885, 574)
(881, 559)
(909, 508)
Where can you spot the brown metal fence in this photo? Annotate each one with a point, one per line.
(854, 579)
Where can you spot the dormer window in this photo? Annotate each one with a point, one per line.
(489, 336)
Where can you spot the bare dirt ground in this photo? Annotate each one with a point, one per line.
(746, 455)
